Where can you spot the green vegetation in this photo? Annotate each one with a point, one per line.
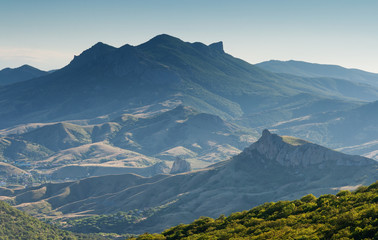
(15, 224)
(343, 216)
(112, 223)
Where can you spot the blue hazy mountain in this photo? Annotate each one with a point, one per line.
(105, 79)
(306, 69)
(23, 73)
(354, 131)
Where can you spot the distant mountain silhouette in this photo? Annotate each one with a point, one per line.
(105, 79)
(23, 73)
(306, 69)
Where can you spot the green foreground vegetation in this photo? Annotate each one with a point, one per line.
(345, 215)
(15, 224)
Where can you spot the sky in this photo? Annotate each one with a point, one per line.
(47, 34)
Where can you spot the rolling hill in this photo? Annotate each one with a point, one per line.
(274, 168)
(129, 142)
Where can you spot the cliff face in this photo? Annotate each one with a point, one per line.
(180, 166)
(293, 152)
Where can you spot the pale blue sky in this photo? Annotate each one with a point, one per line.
(47, 34)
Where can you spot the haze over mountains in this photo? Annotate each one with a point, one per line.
(104, 79)
(168, 106)
(273, 168)
(305, 69)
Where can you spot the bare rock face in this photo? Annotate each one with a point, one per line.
(180, 166)
(159, 168)
(293, 152)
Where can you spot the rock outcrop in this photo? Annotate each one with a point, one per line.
(294, 152)
(180, 166)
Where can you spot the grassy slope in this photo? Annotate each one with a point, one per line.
(15, 224)
(344, 216)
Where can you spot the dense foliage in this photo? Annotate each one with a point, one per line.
(15, 224)
(111, 223)
(343, 216)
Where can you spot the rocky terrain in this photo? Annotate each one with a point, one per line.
(262, 172)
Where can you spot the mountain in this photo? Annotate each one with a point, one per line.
(104, 80)
(180, 166)
(23, 73)
(353, 131)
(271, 169)
(15, 224)
(326, 217)
(314, 70)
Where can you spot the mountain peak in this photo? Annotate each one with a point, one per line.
(294, 152)
(266, 133)
(95, 52)
(164, 39)
(217, 46)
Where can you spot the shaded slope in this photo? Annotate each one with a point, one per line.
(263, 172)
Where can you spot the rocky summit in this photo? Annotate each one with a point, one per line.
(293, 152)
(180, 166)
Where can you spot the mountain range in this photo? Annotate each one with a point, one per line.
(273, 168)
(104, 83)
(155, 133)
(104, 79)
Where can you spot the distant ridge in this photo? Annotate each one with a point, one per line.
(23, 73)
(306, 69)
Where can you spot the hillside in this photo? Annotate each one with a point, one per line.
(344, 216)
(132, 142)
(23, 73)
(273, 168)
(7, 170)
(313, 70)
(15, 224)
